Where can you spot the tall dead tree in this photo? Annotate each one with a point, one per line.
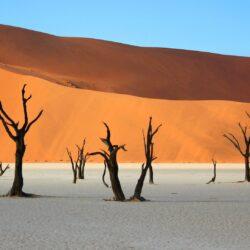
(151, 172)
(214, 177)
(2, 171)
(244, 151)
(17, 134)
(110, 158)
(149, 153)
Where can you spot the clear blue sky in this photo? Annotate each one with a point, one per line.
(221, 26)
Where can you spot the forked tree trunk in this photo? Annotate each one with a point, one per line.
(110, 161)
(81, 171)
(149, 154)
(17, 134)
(74, 166)
(245, 152)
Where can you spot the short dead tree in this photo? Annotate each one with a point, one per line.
(81, 161)
(78, 165)
(17, 134)
(244, 151)
(2, 171)
(214, 177)
(74, 166)
(149, 154)
(110, 159)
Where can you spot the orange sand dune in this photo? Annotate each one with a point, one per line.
(191, 132)
(113, 67)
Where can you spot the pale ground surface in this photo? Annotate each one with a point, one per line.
(184, 212)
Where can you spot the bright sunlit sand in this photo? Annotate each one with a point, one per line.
(183, 213)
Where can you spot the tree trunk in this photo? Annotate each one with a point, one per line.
(247, 173)
(17, 187)
(139, 185)
(116, 185)
(74, 176)
(80, 173)
(151, 175)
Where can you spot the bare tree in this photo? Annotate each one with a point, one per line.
(2, 171)
(17, 134)
(78, 165)
(110, 159)
(74, 165)
(82, 159)
(151, 172)
(244, 151)
(149, 154)
(214, 177)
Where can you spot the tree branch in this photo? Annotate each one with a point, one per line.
(13, 137)
(7, 117)
(234, 141)
(99, 153)
(33, 121)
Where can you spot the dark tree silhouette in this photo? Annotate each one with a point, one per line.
(74, 165)
(78, 166)
(17, 134)
(110, 159)
(82, 159)
(214, 177)
(151, 172)
(149, 154)
(244, 151)
(2, 171)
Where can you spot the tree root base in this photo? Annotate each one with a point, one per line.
(113, 199)
(137, 199)
(21, 195)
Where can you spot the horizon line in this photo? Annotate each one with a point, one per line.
(124, 43)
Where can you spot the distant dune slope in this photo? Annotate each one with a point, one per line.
(118, 68)
(192, 130)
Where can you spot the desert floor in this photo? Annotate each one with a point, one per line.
(184, 212)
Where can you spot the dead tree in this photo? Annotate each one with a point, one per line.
(81, 161)
(151, 172)
(17, 134)
(149, 153)
(2, 171)
(214, 177)
(110, 158)
(243, 151)
(78, 165)
(74, 165)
